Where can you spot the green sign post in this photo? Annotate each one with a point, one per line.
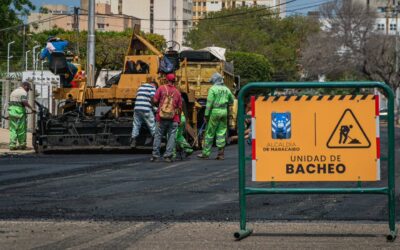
(244, 190)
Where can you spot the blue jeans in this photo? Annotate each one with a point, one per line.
(165, 127)
(138, 118)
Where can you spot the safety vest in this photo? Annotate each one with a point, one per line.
(219, 97)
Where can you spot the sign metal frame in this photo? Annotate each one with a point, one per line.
(244, 190)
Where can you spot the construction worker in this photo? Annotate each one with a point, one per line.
(169, 101)
(143, 110)
(55, 44)
(216, 116)
(181, 143)
(17, 116)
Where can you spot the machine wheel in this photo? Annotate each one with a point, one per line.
(38, 149)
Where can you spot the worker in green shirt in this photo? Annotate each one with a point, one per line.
(216, 115)
(180, 140)
(17, 116)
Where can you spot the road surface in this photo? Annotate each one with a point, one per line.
(127, 189)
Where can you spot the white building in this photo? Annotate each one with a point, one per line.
(170, 18)
(202, 7)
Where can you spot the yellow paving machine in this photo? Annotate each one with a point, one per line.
(92, 117)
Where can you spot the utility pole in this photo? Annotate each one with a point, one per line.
(76, 29)
(397, 9)
(151, 16)
(91, 45)
(388, 11)
(396, 12)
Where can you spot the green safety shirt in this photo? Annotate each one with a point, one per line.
(218, 99)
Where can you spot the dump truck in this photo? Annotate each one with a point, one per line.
(91, 117)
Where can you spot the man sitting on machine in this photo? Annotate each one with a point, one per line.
(58, 63)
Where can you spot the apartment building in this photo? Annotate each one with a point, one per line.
(202, 7)
(386, 22)
(59, 16)
(116, 5)
(170, 18)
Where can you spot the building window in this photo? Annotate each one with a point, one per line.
(100, 25)
(381, 26)
(392, 26)
(204, 4)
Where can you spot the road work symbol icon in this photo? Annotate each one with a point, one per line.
(348, 133)
(281, 125)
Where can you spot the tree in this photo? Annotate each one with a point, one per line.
(11, 28)
(349, 46)
(250, 67)
(256, 30)
(111, 47)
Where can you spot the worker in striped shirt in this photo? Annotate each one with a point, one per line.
(143, 111)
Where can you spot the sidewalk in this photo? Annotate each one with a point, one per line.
(4, 140)
(193, 235)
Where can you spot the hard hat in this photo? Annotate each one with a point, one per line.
(170, 77)
(216, 78)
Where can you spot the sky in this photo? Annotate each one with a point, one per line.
(291, 6)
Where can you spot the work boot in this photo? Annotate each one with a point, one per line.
(22, 147)
(201, 156)
(133, 143)
(154, 159)
(220, 155)
(13, 148)
(168, 159)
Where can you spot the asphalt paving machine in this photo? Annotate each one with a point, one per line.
(91, 117)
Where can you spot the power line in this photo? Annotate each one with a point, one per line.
(234, 22)
(33, 22)
(249, 11)
(59, 16)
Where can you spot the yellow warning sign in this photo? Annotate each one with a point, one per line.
(316, 138)
(348, 133)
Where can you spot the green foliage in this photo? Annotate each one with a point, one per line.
(10, 9)
(155, 39)
(43, 10)
(111, 47)
(10, 12)
(256, 30)
(250, 66)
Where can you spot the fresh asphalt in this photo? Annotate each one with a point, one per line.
(127, 187)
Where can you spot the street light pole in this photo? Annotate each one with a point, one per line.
(26, 60)
(34, 61)
(9, 57)
(37, 60)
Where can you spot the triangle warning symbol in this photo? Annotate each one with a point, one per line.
(348, 133)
